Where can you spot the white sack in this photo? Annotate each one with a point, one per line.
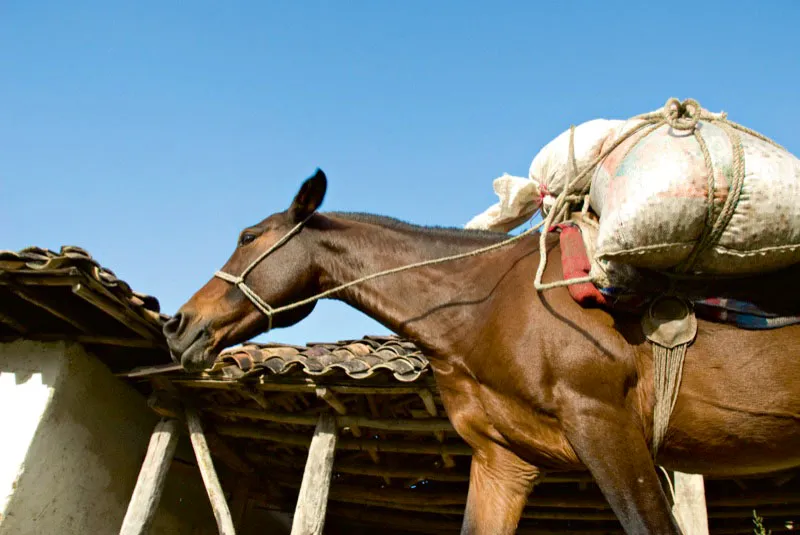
(652, 203)
(548, 174)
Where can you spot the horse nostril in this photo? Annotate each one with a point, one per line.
(174, 325)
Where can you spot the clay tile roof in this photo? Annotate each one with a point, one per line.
(69, 261)
(358, 359)
(67, 295)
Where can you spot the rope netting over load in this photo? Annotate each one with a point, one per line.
(675, 190)
(680, 117)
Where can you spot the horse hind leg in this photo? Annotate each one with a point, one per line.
(499, 485)
(614, 450)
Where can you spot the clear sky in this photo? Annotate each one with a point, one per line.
(151, 132)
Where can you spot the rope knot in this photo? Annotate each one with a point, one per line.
(682, 115)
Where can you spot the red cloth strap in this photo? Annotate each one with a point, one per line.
(575, 263)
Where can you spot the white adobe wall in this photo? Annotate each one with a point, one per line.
(72, 439)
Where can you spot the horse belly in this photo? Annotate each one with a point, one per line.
(738, 411)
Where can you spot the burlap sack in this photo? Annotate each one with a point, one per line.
(651, 194)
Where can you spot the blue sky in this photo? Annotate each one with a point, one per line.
(151, 132)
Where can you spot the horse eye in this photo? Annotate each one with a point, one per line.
(246, 238)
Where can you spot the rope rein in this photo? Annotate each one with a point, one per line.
(679, 115)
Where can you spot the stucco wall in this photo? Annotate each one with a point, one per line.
(71, 445)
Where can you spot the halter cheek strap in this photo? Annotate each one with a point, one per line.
(248, 292)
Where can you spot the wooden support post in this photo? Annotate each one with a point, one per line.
(206, 465)
(690, 503)
(150, 485)
(312, 502)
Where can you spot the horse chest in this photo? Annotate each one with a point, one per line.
(483, 414)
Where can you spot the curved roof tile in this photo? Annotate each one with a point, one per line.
(358, 359)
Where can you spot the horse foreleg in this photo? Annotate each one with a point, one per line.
(614, 450)
(499, 485)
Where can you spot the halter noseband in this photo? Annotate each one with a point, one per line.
(259, 303)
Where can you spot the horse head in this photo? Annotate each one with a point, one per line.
(272, 265)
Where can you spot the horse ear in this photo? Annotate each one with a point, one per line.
(309, 198)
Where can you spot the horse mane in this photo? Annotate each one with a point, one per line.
(443, 233)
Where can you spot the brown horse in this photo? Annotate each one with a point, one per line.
(532, 381)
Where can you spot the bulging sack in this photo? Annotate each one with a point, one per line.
(657, 202)
(520, 198)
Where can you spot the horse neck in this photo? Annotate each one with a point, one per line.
(432, 305)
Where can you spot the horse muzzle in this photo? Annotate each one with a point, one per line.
(189, 342)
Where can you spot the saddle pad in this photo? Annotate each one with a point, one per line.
(575, 263)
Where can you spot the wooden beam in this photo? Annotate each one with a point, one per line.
(427, 399)
(144, 371)
(309, 387)
(116, 310)
(25, 294)
(330, 398)
(386, 424)
(210, 479)
(146, 318)
(52, 277)
(150, 484)
(89, 340)
(391, 497)
(690, 503)
(434, 474)
(312, 502)
(226, 455)
(354, 444)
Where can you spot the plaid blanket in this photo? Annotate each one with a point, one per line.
(742, 314)
(575, 263)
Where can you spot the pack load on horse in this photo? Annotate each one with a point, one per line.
(537, 381)
(680, 191)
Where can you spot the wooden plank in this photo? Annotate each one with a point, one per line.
(117, 310)
(312, 502)
(434, 474)
(24, 293)
(144, 371)
(51, 277)
(150, 484)
(690, 503)
(226, 455)
(353, 444)
(210, 479)
(386, 424)
(310, 387)
(89, 340)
